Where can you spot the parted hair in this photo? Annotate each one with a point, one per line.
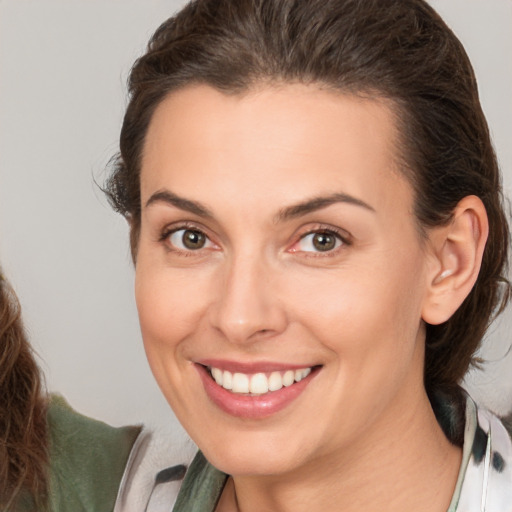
(400, 51)
(23, 428)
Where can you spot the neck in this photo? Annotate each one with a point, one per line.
(396, 466)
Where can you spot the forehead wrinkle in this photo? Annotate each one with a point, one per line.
(318, 203)
(167, 197)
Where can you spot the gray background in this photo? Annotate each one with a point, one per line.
(63, 65)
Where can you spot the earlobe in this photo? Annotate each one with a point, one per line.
(457, 256)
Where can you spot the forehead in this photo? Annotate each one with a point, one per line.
(291, 141)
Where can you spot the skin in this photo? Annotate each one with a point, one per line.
(362, 435)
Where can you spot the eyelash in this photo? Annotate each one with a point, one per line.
(170, 230)
(340, 235)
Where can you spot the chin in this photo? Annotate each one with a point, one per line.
(254, 457)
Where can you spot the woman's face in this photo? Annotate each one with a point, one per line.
(278, 250)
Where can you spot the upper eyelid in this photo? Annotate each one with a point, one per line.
(169, 229)
(166, 232)
(323, 231)
(344, 235)
(185, 225)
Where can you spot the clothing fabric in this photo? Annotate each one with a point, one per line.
(87, 461)
(485, 476)
(155, 452)
(484, 482)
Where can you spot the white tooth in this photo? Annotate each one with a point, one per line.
(217, 375)
(227, 380)
(240, 383)
(288, 378)
(275, 381)
(259, 383)
(298, 375)
(306, 372)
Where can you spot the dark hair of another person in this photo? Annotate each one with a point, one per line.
(23, 429)
(399, 52)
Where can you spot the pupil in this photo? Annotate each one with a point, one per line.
(324, 241)
(193, 239)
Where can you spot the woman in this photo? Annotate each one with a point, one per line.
(317, 228)
(23, 457)
(51, 458)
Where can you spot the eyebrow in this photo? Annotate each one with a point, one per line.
(167, 197)
(288, 213)
(317, 203)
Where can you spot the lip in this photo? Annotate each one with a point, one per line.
(251, 367)
(252, 407)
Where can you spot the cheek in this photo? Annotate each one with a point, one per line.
(169, 304)
(364, 312)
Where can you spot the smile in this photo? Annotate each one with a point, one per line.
(258, 383)
(254, 391)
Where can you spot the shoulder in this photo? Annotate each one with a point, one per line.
(155, 471)
(87, 459)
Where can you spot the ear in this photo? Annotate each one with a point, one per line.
(457, 251)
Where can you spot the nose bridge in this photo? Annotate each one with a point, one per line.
(247, 306)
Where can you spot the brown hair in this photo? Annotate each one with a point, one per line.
(401, 51)
(23, 439)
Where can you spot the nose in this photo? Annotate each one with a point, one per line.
(248, 306)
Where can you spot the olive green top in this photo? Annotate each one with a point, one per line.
(87, 461)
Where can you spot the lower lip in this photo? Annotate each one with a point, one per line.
(252, 407)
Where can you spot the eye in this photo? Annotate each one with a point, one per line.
(319, 241)
(188, 240)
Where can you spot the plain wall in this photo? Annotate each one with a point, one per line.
(63, 66)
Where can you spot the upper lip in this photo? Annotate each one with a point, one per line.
(251, 367)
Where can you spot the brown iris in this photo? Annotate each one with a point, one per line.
(193, 239)
(324, 241)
